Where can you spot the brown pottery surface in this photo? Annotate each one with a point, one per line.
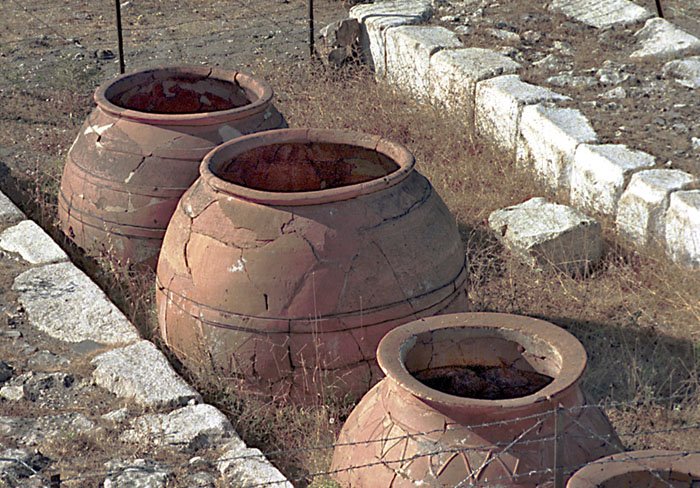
(296, 251)
(140, 149)
(641, 469)
(403, 433)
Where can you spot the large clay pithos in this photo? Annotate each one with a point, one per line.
(653, 468)
(404, 433)
(296, 251)
(140, 149)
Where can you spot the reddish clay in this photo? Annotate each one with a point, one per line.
(296, 251)
(141, 147)
(403, 433)
(640, 469)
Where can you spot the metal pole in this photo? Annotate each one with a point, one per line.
(558, 425)
(658, 9)
(120, 39)
(311, 28)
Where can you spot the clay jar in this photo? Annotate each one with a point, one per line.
(640, 469)
(404, 433)
(140, 149)
(296, 251)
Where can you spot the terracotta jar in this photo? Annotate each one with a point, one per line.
(296, 251)
(140, 149)
(640, 469)
(405, 433)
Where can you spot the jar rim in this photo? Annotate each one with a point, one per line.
(398, 153)
(259, 88)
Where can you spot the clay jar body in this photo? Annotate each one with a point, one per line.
(640, 469)
(403, 433)
(296, 251)
(140, 149)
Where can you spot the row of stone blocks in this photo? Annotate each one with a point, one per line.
(651, 206)
(63, 302)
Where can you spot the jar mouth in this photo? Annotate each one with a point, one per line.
(508, 347)
(305, 166)
(184, 95)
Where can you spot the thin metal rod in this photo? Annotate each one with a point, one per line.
(120, 38)
(311, 28)
(659, 10)
(558, 448)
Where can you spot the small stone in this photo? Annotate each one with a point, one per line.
(531, 37)
(684, 71)
(503, 35)
(46, 360)
(616, 93)
(463, 30)
(12, 393)
(546, 234)
(553, 62)
(104, 54)
(8, 211)
(139, 473)
(661, 39)
(6, 372)
(117, 416)
(695, 142)
(612, 73)
(449, 18)
(563, 47)
(241, 466)
(569, 80)
(601, 14)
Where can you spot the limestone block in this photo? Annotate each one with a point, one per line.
(63, 302)
(8, 211)
(684, 71)
(661, 39)
(408, 52)
(547, 234)
(137, 473)
(548, 140)
(601, 13)
(683, 228)
(190, 428)
(498, 106)
(600, 173)
(241, 466)
(141, 372)
(454, 73)
(376, 18)
(641, 209)
(31, 242)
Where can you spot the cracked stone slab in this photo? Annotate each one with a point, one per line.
(600, 173)
(242, 466)
(142, 373)
(548, 140)
(376, 18)
(640, 211)
(683, 228)
(63, 302)
(31, 242)
(139, 473)
(408, 53)
(659, 38)
(547, 234)
(498, 107)
(9, 212)
(454, 73)
(601, 13)
(685, 71)
(190, 428)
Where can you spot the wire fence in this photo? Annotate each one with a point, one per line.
(508, 456)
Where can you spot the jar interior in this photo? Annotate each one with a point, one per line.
(649, 479)
(300, 167)
(487, 364)
(180, 94)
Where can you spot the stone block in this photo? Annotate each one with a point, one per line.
(684, 71)
(339, 42)
(601, 13)
(659, 38)
(31, 242)
(498, 106)
(137, 473)
(548, 140)
(376, 18)
(8, 211)
(600, 173)
(142, 373)
(241, 466)
(641, 209)
(547, 234)
(683, 228)
(63, 302)
(408, 52)
(454, 74)
(189, 428)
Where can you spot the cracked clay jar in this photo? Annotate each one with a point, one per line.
(469, 400)
(296, 251)
(140, 149)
